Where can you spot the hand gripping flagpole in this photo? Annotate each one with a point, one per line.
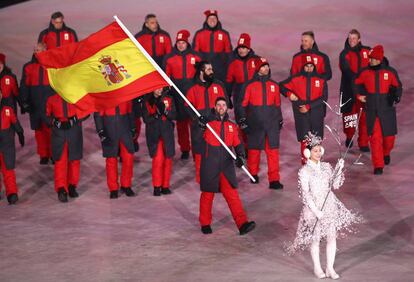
(171, 83)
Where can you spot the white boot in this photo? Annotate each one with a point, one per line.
(330, 258)
(317, 269)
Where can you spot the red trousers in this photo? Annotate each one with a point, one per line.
(126, 172)
(138, 124)
(66, 172)
(349, 121)
(253, 162)
(197, 159)
(43, 136)
(233, 201)
(9, 177)
(380, 145)
(161, 167)
(183, 132)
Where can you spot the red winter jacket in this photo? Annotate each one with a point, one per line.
(321, 61)
(203, 96)
(157, 44)
(53, 37)
(9, 88)
(9, 125)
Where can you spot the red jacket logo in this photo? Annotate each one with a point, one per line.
(113, 72)
(386, 76)
(220, 36)
(317, 83)
(66, 36)
(161, 39)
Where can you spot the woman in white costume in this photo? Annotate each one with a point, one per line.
(321, 219)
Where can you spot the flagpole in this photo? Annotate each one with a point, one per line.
(171, 83)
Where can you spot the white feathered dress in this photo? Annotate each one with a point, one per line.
(315, 180)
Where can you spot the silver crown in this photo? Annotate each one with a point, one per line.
(312, 140)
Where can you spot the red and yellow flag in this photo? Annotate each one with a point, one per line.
(101, 71)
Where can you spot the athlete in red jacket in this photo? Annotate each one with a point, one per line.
(217, 170)
(380, 88)
(57, 34)
(8, 85)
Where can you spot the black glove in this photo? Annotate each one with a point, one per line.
(202, 122)
(243, 124)
(72, 121)
(24, 108)
(65, 125)
(230, 104)
(56, 123)
(392, 96)
(102, 135)
(280, 124)
(133, 133)
(240, 161)
(21, 138)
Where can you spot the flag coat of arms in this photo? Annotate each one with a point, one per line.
(101, 71)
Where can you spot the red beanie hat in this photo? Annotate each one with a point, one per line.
(2, 58)
(182, 35)
(308, 59)
(377, 53)
(260, 62)
(244, 40)
(211, 13)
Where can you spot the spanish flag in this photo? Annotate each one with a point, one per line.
(101, 71)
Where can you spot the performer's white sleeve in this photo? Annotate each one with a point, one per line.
(339, 178)
(304, 190)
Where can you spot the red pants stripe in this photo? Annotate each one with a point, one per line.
(380, 145)
(126, 171)
(349, 124)
(9, 177)
(183, 132)
(233, 201)
(253, 162)
(197, 159)
(161, 167)
(66, 172)
(43, 136)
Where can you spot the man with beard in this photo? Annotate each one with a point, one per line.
(159, 113)
(260, 117)
(309, 50)
(156, 42)
(202, 94)
(214, 44)
(179, 65)
(217, 170)
(352, 60)
(380, 88)
(116, 129)
(307, 91)
(57, 34)
(9, 125)
(34, 91)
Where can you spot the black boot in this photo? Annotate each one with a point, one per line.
(206, 229)
(247, 227)
(62, 195)
(349, 143)
(364, 149)
(128, 191)
(387, 160)
(166, 191)
(378, 171)
(185, 155)
(113, 194)
(44, 161)
(157, 191)
(12, 199)
(276, 185)
(256, 177)
(72, 191)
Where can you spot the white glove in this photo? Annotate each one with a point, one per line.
(319, 214)
(340, 164)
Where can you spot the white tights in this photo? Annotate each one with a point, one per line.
(330, 254)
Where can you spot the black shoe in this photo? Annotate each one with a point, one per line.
(256, 177)
(364, 149)
(276, 185)
(128, 191)
(12, 199)
(247, 227)
(349, 143)
(113, 194)
(72, 191)
(206, 229)
(62, 195)
(157, 191)
(185, 155)
(44, 161)
(166, 191)
(387, 160)
(378, 171)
